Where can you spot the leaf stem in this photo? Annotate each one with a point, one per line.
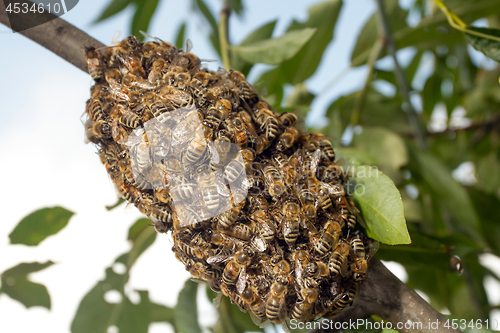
(458, 24)
(224, 33)
(400, 76)
(372, 58)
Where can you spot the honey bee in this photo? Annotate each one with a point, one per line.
(240, 135)
(187, 61)
(222, 143)
(161, 215)
(359, 265)
(235, 270)
(289, 173)
(101, 129)
(248, 155)
(302, 310)
(240, 231)
(114, 79)
(337, 265)
(346, 212)
(327, 149)
(343, 300)
(158, 109)
(266, 228)
(226, 242)
(182, 191)
(199, 84)
(324, 201)
(308, 203)
(275, 304)
(128, 192)
(274, 181)
(158, 69)
(254, 304)
(234, 170)
(227, 219)
(268, 123)
(128, 54)
(317, 270)
(209, 192)
(288, 119)
(93, 63)
(301, 259)
(247, 92)
(132, 81)
(95, 110)
(287, 138)
(195, 149)
(329, 238)
(291, 222)
(217, 114)
(234, 297)
(191, 250)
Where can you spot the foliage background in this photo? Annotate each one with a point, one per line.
(450, 189)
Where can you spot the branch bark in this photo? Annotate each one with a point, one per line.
(57, 35)
(381, 293)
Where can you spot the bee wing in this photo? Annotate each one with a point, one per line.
(285, 326)
(373, 248)
(255, 319)
(282, 311)
(218, 259)
(216, 301)
(360, 220)
(264, 324)
(241, 284)
(258, 243)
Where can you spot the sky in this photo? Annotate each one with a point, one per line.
(46, 162)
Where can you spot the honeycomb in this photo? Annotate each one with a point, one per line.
(256, 207)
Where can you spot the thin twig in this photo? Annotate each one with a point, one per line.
(400, 76)
(384, 295)
(374, 54)
(224, 33)
(57, 35)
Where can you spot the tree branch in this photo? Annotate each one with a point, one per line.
(400, 76)
(383, 294)
(57, 35)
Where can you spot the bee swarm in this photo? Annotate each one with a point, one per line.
(256, 207)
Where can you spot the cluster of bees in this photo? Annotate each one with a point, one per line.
(256, 207)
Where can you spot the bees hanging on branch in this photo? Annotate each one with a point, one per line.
(256, 207)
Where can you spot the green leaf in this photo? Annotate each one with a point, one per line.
(490, 48)
(37, 226)
(118, 202)
(303, 65)
(386, 146)
(207, 14)
(370, 31)
(431, 94)
(488, 173)
(300, 96)
(263, 32)
(142, 17)
(179, 41)
(186, 315)
(353, 157)
(489, 215)
(423, 252)
(142, 235)
(114, 7)
(94, 314)
(237, 7)
(380, 204)
(389, 330)
(450, 193)
(16, 284)
(274, 51)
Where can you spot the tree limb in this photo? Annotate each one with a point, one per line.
(57, 35)
(383, 294)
